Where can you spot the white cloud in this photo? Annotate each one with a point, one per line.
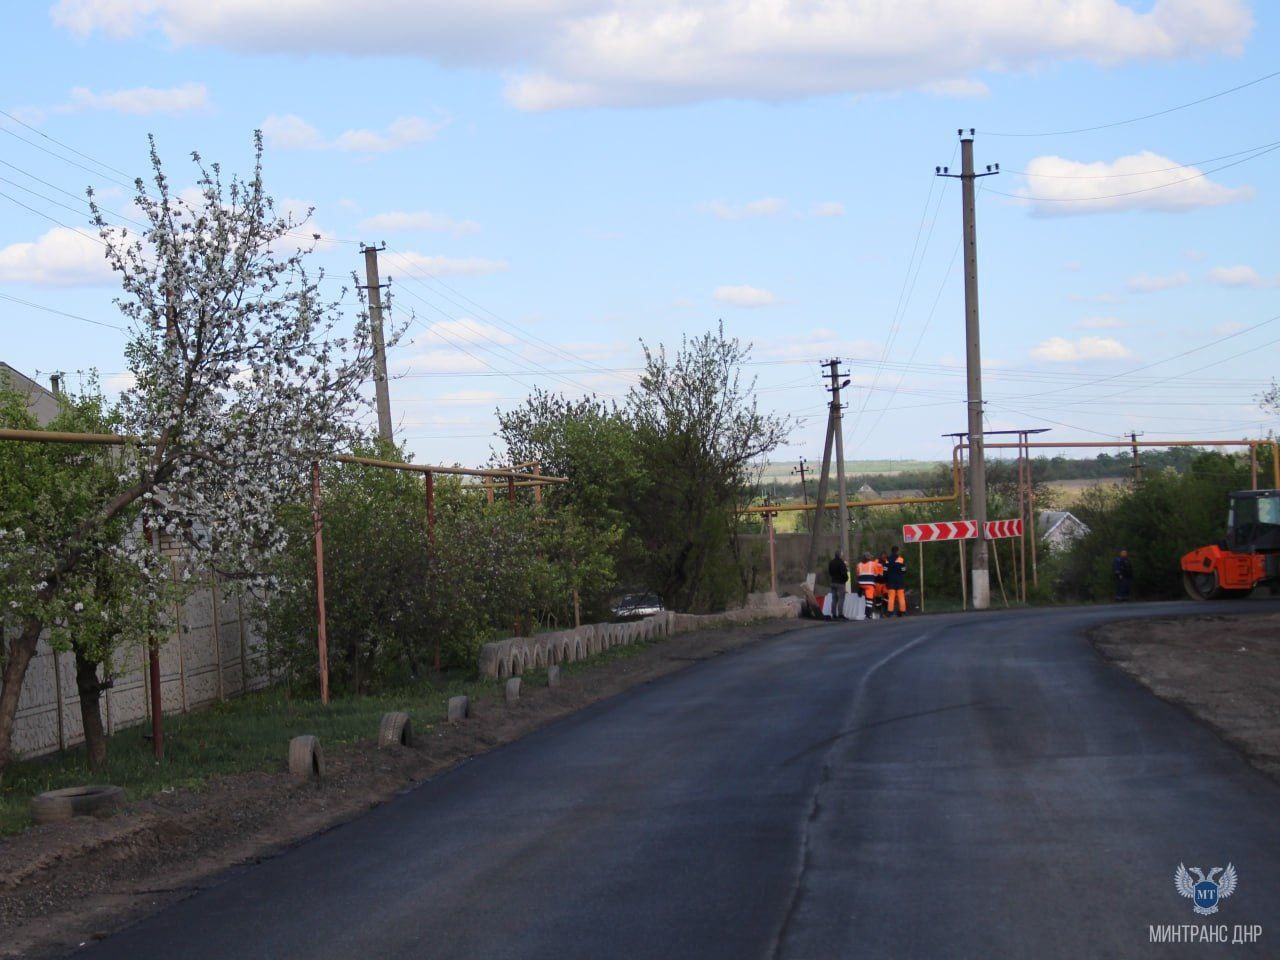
(1073, 266)
(416, 264)
(831, 208)
(682, 303)
(468, 330)
(59, 258)
(290, 132)
(142, 101)
(960, 87)
(1240, 276)
(1057, 187)
(1100, 323)
(575, 53)
(745, 296)
(819, 342)
(1062, 350)
(1146, 283)
(1195, 256)
(443, 360)
(466, 398)
(765, 207)
(1227, 327)
(120, 382)
(418, 220)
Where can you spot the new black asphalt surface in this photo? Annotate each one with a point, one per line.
(931, 787)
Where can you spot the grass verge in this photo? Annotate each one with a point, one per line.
(246, 734)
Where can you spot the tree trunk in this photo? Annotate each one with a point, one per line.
(22, 649)
(90, 689)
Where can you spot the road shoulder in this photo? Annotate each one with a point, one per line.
(1222, 669)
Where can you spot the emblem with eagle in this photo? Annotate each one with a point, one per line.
(1205, 891)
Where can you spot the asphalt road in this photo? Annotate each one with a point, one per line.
(933, 787)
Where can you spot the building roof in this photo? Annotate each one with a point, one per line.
(1049, 521)
(42, 404)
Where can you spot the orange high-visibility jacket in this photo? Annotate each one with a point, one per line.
(867, 574)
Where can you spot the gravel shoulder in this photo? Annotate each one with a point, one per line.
(65, 884)
(1223, 669)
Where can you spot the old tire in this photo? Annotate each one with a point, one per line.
(89, 801)
(396, 730)
(306, 760)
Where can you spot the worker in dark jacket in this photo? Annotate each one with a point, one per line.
(895, 580)
(838, 572)
(1123, 572)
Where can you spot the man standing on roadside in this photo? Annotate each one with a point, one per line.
(838, 572)
(1123, 572)
(895, 581)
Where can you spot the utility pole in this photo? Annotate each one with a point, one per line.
(981, 579)
(1137, 457)
(820, 504)
(379, 346)
(837, 420)
(804, 487)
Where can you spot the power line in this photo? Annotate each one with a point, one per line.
(1145, 116)
(1141, 173)
(1130, 193)
(63, 313)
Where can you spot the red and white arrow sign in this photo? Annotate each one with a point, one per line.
(998, 529)
(947, 530)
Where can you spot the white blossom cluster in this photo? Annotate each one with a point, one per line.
(242, 374)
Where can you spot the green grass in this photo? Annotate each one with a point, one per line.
(245, 734)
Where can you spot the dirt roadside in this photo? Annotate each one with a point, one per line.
(64, 884)
(1224, 670)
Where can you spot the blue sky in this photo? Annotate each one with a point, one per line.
(555, 179)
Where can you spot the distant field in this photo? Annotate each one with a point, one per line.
(1071, 490)
(782, 469)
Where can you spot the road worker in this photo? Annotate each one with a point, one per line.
(882, 592)
(895, 581)
(867, 580)
(838, 572)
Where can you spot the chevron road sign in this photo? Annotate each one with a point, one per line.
(947, 530)
(999, 529)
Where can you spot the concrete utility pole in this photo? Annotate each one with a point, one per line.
(379, 347)
(980, 575)
(811, 565)
(1137, 457)
(837, 419)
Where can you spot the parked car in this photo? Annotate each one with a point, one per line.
(636, 605)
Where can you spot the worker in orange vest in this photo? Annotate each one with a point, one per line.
(866, 573)
(882, 592)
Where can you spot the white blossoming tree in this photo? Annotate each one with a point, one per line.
(243, 375)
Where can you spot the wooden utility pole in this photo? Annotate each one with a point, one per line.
(381, 392)
(979, 565)
(804, 487)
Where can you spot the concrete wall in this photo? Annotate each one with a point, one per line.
(210, 657)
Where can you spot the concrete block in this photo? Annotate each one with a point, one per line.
(513, 690)
(553, 676)
(459, 709)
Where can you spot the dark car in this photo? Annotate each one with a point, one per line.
(636, 605)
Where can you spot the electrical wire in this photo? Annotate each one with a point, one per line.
(1145, 116)
(62, 313)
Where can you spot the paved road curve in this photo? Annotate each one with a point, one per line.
(937, 787)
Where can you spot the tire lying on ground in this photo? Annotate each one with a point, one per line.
(90, 801)
(396, 730)
(306, 760)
